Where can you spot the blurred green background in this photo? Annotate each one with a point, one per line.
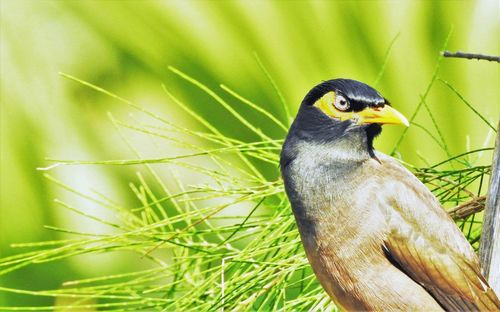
(126, 47)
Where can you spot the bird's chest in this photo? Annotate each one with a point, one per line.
(328, 190)
(334, 204)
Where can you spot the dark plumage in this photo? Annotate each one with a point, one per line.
(376, 237)
(358, 93)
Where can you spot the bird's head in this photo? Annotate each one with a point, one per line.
(335, 108)
(352, 101)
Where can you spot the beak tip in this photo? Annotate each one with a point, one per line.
(402, 118)
(406, 122)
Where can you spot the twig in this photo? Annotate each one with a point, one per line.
(469, 208)
(470, 56)
(489, 248)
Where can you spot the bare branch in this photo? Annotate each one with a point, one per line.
(470, 56)
(467, 209)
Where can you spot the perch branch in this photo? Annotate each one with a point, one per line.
(467, 209)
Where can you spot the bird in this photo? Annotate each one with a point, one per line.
(375, 236)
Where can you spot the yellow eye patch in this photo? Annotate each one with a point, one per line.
(326, 105)
(381, 115)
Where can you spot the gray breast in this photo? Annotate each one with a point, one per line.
(322, 177)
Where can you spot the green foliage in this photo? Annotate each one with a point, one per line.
(229, 242)
(190, 213)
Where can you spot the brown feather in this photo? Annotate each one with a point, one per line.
(434, 256)
(376, 237)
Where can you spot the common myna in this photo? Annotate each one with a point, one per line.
(375, 236)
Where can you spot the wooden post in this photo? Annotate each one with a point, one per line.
(489, 250)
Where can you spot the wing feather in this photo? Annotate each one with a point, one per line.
(451, 282)
(427, 245)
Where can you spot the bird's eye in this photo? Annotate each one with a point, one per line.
(341, 103)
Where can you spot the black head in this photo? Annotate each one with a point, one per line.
(336, 107)
(358, 94)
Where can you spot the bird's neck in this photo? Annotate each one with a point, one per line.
(349, 148)
(337, 141)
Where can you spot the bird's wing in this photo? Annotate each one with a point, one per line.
(424, 243)
(455, 282)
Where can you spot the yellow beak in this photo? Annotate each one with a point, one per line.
(381, 115)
